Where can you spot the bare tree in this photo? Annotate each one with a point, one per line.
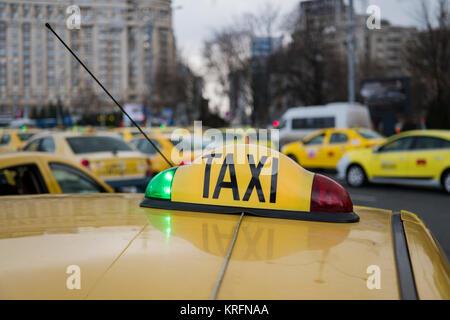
(310, 69)
(87, 101)
(227, 60)
(427, 55)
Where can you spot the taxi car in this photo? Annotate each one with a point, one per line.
(128, 133)
(419, 157)
(167, 144)
(14, 139)
(106, 155)
(324, 148)
(157, 162)
(239, 223)
(28, 173)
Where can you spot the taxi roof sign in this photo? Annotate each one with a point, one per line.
(251, 179)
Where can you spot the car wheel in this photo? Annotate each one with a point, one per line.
(446, 181)
(292, 157)
(356, 177)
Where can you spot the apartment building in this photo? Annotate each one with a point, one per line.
(378, 46)
(123, 42)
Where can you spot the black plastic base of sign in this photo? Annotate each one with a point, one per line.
(346, 217)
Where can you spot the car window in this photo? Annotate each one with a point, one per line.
(425, 143)
(47, 145)
(72, 180)
(401, 144)
(97, 144)
(6, 138)
(313, 123)
(315, 140)
(145, 147)
(33, 145)
(135, 143)
(369, 134)
(338, 137)
(21, 180)
(25, 136)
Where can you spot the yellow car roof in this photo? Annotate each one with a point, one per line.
(18, 130)
(65, 134)
(435, 133)
(19, 156)
(126, 251)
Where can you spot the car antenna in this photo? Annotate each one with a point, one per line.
(115, 101)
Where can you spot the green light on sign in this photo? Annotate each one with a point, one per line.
(161, 185)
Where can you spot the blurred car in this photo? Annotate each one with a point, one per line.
(14, 139)
(128, 133)
(104, 154)
(27, 173)
(420, 157)
(187, 149)
(158, 163)
(305, 241)
(299, 122)
(324, 148)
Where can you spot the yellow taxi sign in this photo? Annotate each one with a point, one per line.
(251, 179)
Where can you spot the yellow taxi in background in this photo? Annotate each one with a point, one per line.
(28, 173)
(420, 157)
(106, 155)
(242, 223)
(14, 139)
(324, 148)
(157, 162)
(128, 133)
(185, 151)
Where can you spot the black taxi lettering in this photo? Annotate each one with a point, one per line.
(210, 158)
(232, 184)
(254, 183)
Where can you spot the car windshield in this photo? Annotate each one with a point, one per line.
(145, 147)
(25, 136)
(97, 144)
(369, 134)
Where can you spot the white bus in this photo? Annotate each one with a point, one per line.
(296, 123)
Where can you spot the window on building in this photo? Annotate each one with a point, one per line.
(14, 10)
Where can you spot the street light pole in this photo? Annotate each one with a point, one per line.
(351, 55)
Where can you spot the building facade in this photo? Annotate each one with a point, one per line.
(379, 47)
(123, 43)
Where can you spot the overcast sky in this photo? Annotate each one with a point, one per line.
(196, 19)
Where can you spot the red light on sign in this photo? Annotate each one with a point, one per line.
(329, 196)
(276, 124)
